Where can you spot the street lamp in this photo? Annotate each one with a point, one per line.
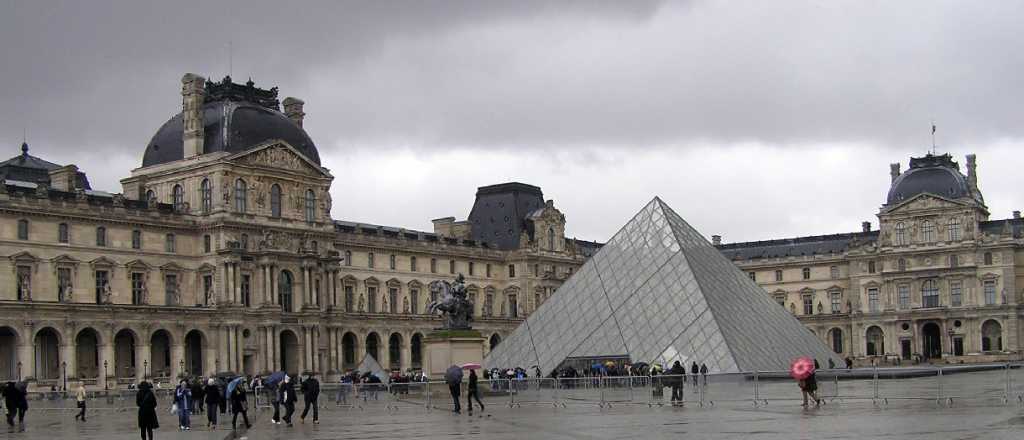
(145, 369)
(19, 371)
(105, 383)
(181, 365)
(216, 365)
(64, 366)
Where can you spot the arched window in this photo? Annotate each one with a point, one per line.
(837, 340)
(178, 197)
(954, 229)
(927, 231)
(875, 341)
(275, 200)
(150, 196)
(348, 258)
(62, 233)
(900, 237)
(991, 336)
(310, 206)
(551, 239)
(206, 196)
(22, 229)
(929, 294)
(243, 241)
(240, 195)
(284, 287)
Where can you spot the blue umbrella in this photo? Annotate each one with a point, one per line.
(232, 385)
(274, 379)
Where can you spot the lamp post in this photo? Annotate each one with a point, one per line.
(19, 371)
(181, 365)
(216, 365)
(106, 386)
(64, 366)
(145, 369)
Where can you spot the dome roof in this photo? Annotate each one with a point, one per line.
(937, 175)
(236, 118)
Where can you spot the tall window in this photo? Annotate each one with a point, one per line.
(243, 242)
(954, 229)
(207, 289)
(511, 271)
(207, 243)
(871, 267)
(284, 290)
(873, 299)
(246, 290)
(24, 283)
(138, 286)
(414, 300)
(752, 276)
(240, 195)
(169, 245)
(988, 258)
(471, 269)
(808, 304)
(989, 288)
(310, 206)
(901, 265)
(903, 296)
(22, 229)
(836, 298)
(551, 239)
(393, 299)
(350, 299)
(62, 233)
(451, 266)
(205, 196)
(150, 196)
(275, 200)
(956, 295)
(954, 261)
(412, 264)
(348, 258)
(778, 275)
(392, 262)
(101, 283)
(488, 309)
(101, 236)
(927, 231)
(433, 265)
(136, 239)
(171, 290)
(487, 269)
(178, 197)
(929, 294)
(807, 273)
(371, 299)
(63, 284)
(513, 306)
(833, 272)
(369, 260)
(900, 237)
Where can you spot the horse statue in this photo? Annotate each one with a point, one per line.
(450, 299)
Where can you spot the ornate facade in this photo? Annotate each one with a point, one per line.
(220, 254)
(939, 280)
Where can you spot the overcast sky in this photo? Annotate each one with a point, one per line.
(754, 120)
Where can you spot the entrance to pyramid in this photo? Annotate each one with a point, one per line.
(658, 292)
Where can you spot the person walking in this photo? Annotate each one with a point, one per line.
(198, 396)
(310, 396)
(809, 387)
(239, 405)
(288, 398)
(17, 404)
(275, 399)
(694, 371)
(677, 380)
(472, 392)
(211, 396)
(183, 399)
(146, 401)
(704, 374)
(80, 401)
(454, 386)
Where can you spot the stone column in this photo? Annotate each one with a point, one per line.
(406, 353)
(266, 284)
(236, 281)
(274, 299)
(177, 355)
(26, 355)
(275, 352)
(106, 354)
(223, 269)
(306, 295)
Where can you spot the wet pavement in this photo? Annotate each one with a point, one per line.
(973, 408)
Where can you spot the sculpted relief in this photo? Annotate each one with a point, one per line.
(279, 157)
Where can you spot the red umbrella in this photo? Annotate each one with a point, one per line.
(801, 368)
(471, 366)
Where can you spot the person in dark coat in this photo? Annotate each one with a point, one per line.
(288, 398)
(16, 402)
(146, 401)
(239, 405)
(198, 395)
(678, 371)
(703, 373)
(310, 395)
(694, 371)
(455, 388)
(472, 392)
(809, 387)
(211, 395)
(275, 400)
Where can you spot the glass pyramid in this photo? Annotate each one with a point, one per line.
(659, 292)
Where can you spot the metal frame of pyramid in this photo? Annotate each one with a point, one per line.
(659, 292)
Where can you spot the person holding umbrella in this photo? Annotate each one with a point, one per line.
(471, 391)
(17, 404)
(212, 397)
(802, 369)
(272, 385)
(146, 401)
(239, 403)
(310, 395)
(453, 376)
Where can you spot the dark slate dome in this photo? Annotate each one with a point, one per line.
(937, 175)
(236, 118)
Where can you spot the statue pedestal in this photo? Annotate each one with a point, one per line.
(445, 348)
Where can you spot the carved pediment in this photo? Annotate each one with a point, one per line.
(171, 267)
(65, 260)
(24, 257)
(925, 201)
(102, 262)
(281, 156)
(138, 265)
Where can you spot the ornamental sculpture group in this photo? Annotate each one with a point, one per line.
(451, 300)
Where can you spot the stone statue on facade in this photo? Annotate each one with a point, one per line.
(362, 303)
(108, 294)
(26, 289)
(66, 292)
(405, 305)
(452, 302)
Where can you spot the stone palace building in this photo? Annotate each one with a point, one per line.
(938, 281)
(220, 254)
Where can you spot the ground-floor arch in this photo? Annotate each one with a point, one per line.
(875, 339)
(290, 352)
(159, 355)
(373, 346)
(836, 339)
(416, 351)
(195, 340)
(931, 341)
(124, 355)
(87, 354)
(9, 355)
(495, 340)
(348, 351)
(991, 336)
(47, 354)
(395, 351)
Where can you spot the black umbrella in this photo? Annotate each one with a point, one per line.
(454, 374)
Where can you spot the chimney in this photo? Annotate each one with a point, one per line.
(193, 94)
(1016, 215)
(293, 109)
(64, 178)
(716, 240)
(865, 226)
(972, 172)
(894, 171)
